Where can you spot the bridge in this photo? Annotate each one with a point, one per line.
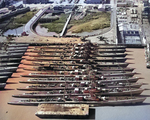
(65, 26)
(28, 27)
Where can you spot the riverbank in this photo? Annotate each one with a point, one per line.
(138, 112)
(16, 22)
(92, 21)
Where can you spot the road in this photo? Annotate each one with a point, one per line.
(113, 19)
(111, 31)
(28, 27)
(65, 26)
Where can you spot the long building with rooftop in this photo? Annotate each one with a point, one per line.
(35, 1)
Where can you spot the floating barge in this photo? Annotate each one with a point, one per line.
(105, 101)
(70, 80)
(83, 73)
(62, 110)
(83, 92)
(72, 86)
(2, 85)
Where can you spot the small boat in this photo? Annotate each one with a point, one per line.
(13, 48)
(3, 79)
(111, 64)
(69, 1)
(77, 74)
(110, 50)
(10, 59)
(71, 80)
(14, 45)
(110, 55)
(9, 55)
(59, 56)
(19, 45)
(96, 59)
(100, 69)
(8, 69)
(76, 50)
(6, 74)
(114, 69)
(72, 86)
(103, 101)
(49, 54)
(8, 64)
(63, 110)
(91, 46)
(76, 1)
(2, 85)
(57, 68)
(51, 50)
(77, 63)
(84, 72)
(14, 51)
(110, 59)
(55, 63)
(83, 92)
(76, 77)
(107, 47)
(47, 59)
(130, 74)
(55, 59)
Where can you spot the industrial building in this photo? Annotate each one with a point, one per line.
(129, 33)
(35, 1)
(93, 1)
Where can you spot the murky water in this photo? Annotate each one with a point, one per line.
(16, 31)
(137, 112)
(44, 31)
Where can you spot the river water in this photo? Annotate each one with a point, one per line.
(16, 32)
(136, 112)
(44, 31)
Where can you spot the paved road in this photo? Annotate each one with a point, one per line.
(65, 26)
(111, 33)
(28, 27)
(135, 112)
(113, 19)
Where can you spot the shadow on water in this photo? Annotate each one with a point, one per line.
(146, 89)
(145, 95)
(19, 72)
(145, 104)
(6, 89)
(15, 77)
(89, 117)
(12, 82)
(145, 84)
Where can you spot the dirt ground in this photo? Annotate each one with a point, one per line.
(14, 112)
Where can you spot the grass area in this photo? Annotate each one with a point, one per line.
(57, 25)
(17, 21)
(92, 21)
(24, 18)
(53, 27)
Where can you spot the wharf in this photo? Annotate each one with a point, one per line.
(8, 112)
(46, 40)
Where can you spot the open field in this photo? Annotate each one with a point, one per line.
(57, 25)
(93, 21)
(24, 18)
(17, 21)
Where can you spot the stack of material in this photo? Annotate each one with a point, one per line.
(83, 73)
(63, 110)
(10, 57)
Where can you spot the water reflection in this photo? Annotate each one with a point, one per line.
(16, 32)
